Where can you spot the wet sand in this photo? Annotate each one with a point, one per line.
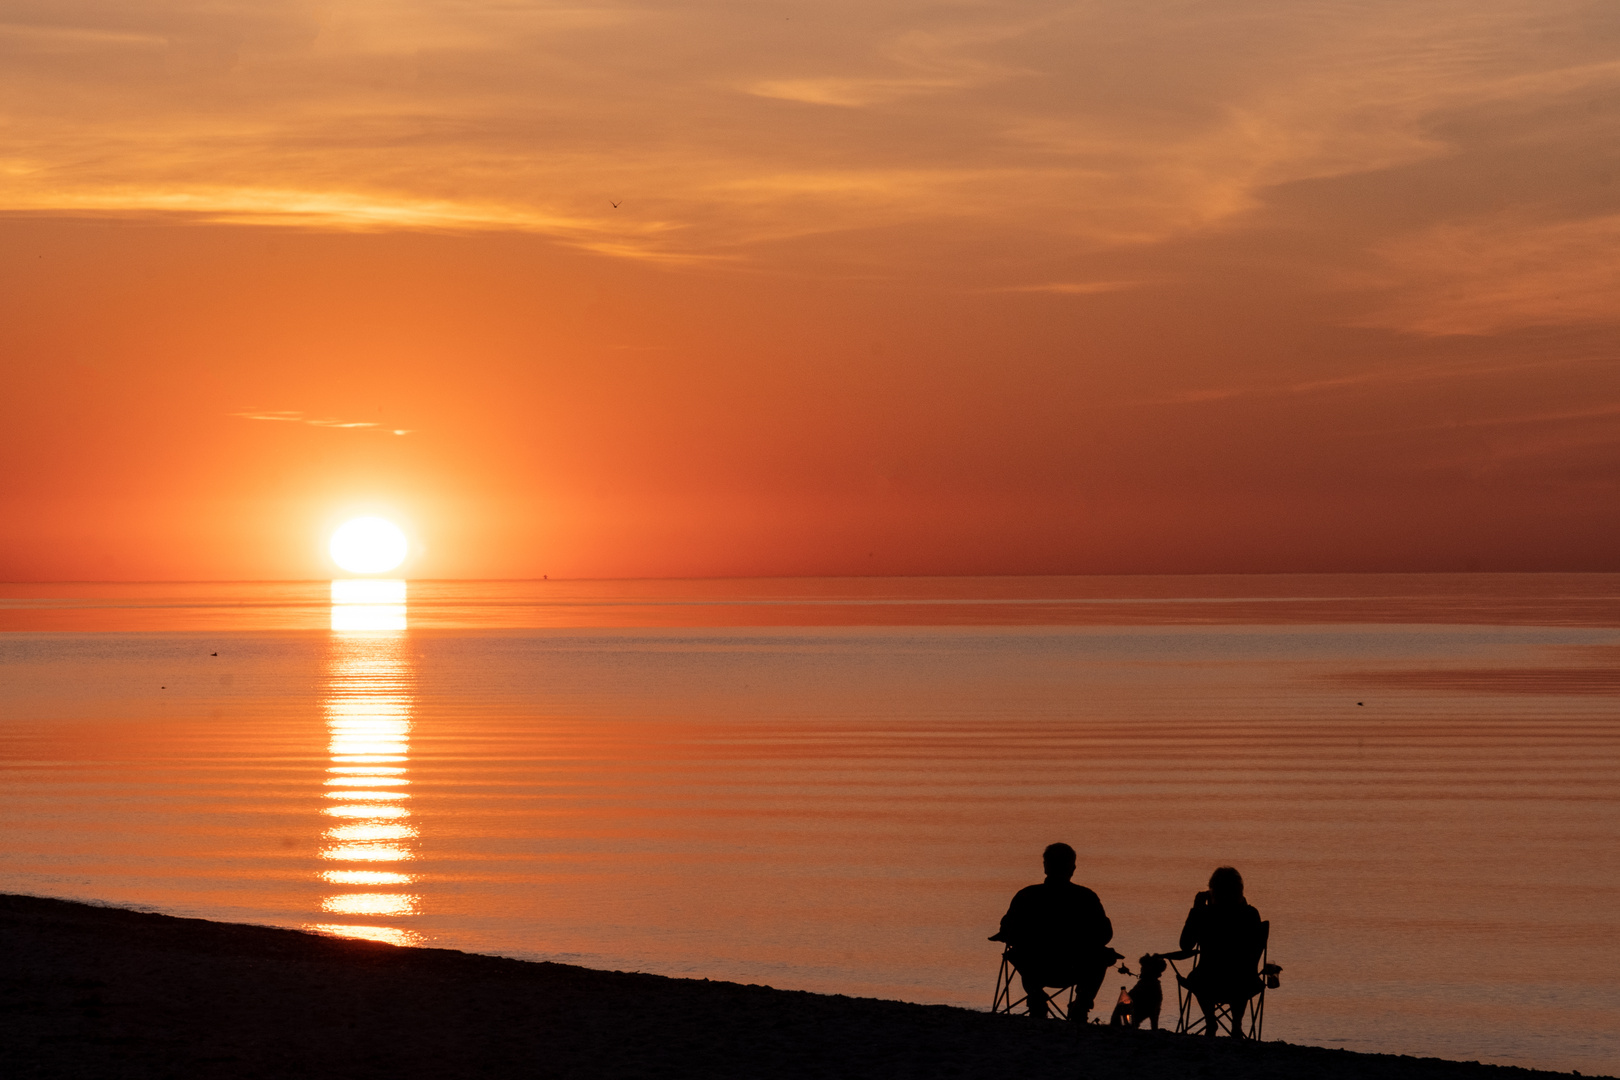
(101, 992)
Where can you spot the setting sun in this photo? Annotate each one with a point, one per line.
(368, 545)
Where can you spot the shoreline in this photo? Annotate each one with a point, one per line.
(90, 991)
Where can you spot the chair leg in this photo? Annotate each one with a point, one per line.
(1248, 1019)
(1003, 1002)
(1184, 1018)
(1217, 1020)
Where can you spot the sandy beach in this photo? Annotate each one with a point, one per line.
(99, 992)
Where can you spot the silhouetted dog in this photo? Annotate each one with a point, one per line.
(1144, 1000)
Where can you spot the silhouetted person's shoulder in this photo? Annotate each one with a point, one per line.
(1055, 912)
(1063, 895)
(1220, 927)
(1058, 896)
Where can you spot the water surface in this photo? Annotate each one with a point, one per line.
(837, 785)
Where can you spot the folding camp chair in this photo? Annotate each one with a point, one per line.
(1059, 1000)
(1254, 1008)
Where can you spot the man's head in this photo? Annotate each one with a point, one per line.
(1059, 861)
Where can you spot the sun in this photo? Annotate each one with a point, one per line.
(369, 545)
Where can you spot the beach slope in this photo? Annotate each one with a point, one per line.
(90, 991)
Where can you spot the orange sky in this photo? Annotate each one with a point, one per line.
(890, 288)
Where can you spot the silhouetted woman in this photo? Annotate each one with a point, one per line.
(1225, 929)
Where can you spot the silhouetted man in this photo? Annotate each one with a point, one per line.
(1058, 936)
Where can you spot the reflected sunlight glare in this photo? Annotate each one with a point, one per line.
(368, 605)
(366, 853)
(368, 591)
(368, 617)
(371, 832)
(370, 904)
(346, 810)
(368, 706)
(388, 935)
(366, 877)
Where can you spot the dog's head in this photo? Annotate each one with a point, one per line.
(1152, 965)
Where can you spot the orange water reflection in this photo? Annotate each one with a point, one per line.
(370, 836)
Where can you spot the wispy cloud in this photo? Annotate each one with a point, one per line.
(1562, 418)
(1503, 273)
(1376, 379)
(287, 416)
(848, 92)
(1585, 442)
(1043, 127)
(352, 211)
(1072, 288)
(32, 38)
(920, 61)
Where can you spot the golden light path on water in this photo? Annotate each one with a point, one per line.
(369, 840)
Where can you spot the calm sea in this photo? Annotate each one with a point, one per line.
(836, 785)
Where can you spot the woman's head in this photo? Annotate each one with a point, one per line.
(1226, 884)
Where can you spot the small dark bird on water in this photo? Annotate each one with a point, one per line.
(213, 654)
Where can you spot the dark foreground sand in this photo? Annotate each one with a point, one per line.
(100, 992)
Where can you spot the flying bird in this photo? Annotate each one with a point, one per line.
(615, 205)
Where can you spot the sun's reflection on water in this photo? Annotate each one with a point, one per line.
(360, 604)
(369, 705)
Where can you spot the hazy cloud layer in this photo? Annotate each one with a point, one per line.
(1481, 277)
(721, 126)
